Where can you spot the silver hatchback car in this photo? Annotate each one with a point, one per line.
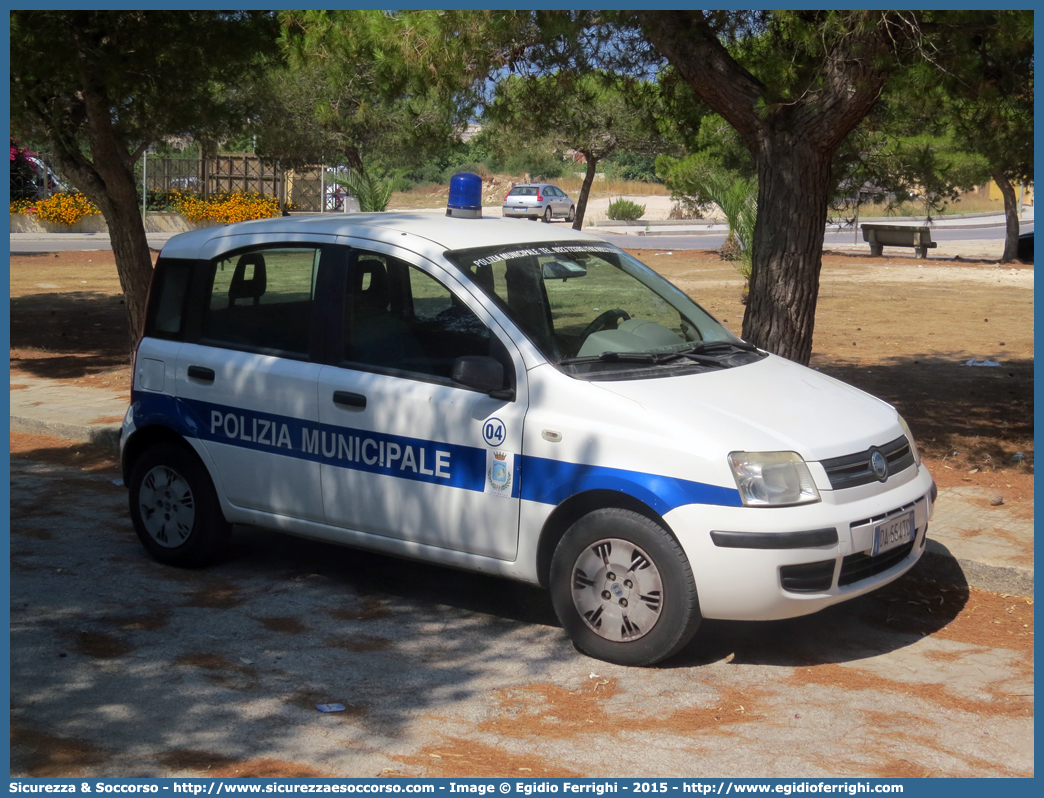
(539, 201)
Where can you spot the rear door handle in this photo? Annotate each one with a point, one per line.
(348, 399)
(201, 373)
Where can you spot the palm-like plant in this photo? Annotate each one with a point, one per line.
(372, 193)
(738, 199)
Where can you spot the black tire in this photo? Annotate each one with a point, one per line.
(174, 507)
(572, 214)
(547, 215)
(659, 625)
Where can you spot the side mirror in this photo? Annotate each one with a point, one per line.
(482, 373)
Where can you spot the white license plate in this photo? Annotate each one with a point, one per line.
(893, 533)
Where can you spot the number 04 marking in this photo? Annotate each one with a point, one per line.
(494, 432)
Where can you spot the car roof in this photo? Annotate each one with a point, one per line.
(443, 231)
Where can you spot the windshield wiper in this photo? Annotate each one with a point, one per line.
(705, 347)
(651, 358)
(703, 352)
(614, 357)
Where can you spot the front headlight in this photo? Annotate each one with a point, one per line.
(772, 478)
(909, 437)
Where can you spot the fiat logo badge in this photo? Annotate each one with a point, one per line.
(879, 465)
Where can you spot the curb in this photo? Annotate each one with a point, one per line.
(100, 435)
(951, 570)
(706, 232)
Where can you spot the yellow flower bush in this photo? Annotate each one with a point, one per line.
(60, 208)
(235, 206)
(23, 206)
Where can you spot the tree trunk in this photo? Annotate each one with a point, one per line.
(793, 144)
(585, 190)
(133, 260)
(1011, 216)
(109, 183)
(793, 189)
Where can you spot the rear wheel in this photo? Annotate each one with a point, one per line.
(623, 589)
(174, 507)
(547, 215)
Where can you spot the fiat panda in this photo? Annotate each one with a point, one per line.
(514, 399)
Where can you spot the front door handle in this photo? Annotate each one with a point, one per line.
(201, 373)
(356, 401)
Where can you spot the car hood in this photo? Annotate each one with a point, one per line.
(770, 405)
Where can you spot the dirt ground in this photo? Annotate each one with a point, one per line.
(900, 328)
(216, 672)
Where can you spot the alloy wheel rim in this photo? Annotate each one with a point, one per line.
(168, 508)
(617, 590)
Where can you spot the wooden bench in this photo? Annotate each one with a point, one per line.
(880, 236)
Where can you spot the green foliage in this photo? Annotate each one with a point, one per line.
(595, 113)
(688, 177)
(470, 156)
(402, 84)
(155, 73)
(699, 181)
(536, 162)
(372, 193)
(627, 165)
(720, 154)
(719, 140)
(624, 210)
(932, 171)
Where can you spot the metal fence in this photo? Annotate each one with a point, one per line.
(309, 189)
(33, 179)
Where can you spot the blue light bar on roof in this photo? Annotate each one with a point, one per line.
(465, 196)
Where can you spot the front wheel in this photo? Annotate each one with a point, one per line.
(174, 507)
(623, 589)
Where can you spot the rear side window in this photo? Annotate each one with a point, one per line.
(262, 299)
(169, 288)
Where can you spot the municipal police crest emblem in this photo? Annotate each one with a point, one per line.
(499, 467)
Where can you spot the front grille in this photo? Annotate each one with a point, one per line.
(809, 577)
(852, 470)
(856, 567)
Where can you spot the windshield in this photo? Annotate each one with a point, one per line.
(590, 307)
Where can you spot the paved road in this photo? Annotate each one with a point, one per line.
(991, 231)
(834, 238)
(123, 667)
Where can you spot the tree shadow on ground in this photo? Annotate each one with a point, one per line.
(67, 335)
(986, 410)
(253, 643)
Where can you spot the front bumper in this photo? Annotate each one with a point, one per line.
(774, 581)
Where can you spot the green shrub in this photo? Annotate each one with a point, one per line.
(372, 192)
(625, 211)
(536, 163)
(473, 166)
(632, 166)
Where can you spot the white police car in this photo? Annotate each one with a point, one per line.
(513, 399)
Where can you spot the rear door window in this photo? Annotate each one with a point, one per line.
(261, 300)
(403, 319)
